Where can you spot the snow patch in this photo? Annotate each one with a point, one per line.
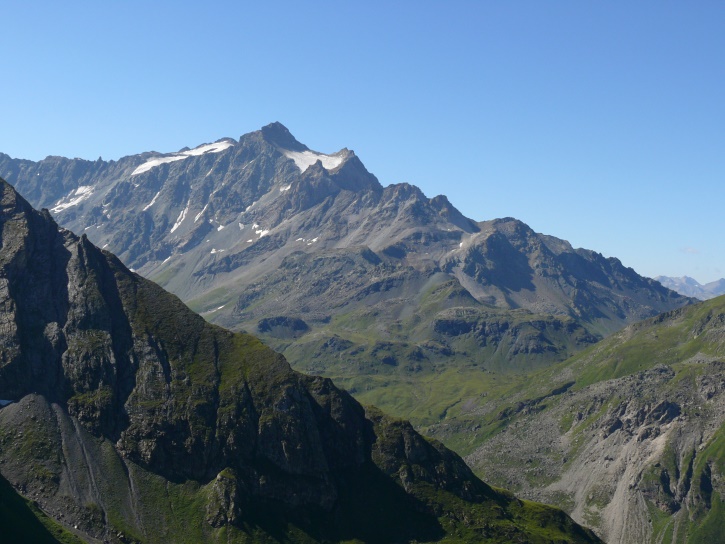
(214, 310)
(285, 188)
(148, 165)
(241, 226)
(200, 150)
(220, 227)
(305, 159)
(214, 250)
(181, 218)
(198, 215)
(166, 259)
(249, 241)
(208, 148)
(153, 201)
(73, 198)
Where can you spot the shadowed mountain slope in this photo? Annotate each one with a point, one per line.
(136, 420)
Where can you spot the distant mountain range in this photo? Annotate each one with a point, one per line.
(374, 286)
(690, 287)
(222, 223)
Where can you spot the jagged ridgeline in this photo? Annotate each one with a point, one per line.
(396, 296)
(628, 436)
(134, 420)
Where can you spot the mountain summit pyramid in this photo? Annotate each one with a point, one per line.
(134, 420)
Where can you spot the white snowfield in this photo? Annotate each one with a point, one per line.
(201, 150)
(198, 215)
(305, 159)
(153, 201)
(181, 218)
(73, 199)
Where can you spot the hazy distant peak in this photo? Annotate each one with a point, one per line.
(685, 285)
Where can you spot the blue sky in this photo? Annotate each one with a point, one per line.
(598, 122)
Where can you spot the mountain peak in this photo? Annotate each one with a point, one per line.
(278, 134)
(690, 287)
(10, 200)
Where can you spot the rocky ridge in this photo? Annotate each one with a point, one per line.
(134, 420)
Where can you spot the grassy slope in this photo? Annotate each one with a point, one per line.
(674, 339)
(410, 369)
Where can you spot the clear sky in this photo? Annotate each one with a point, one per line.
(602, 123)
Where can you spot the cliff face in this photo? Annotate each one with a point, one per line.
(134, 419)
